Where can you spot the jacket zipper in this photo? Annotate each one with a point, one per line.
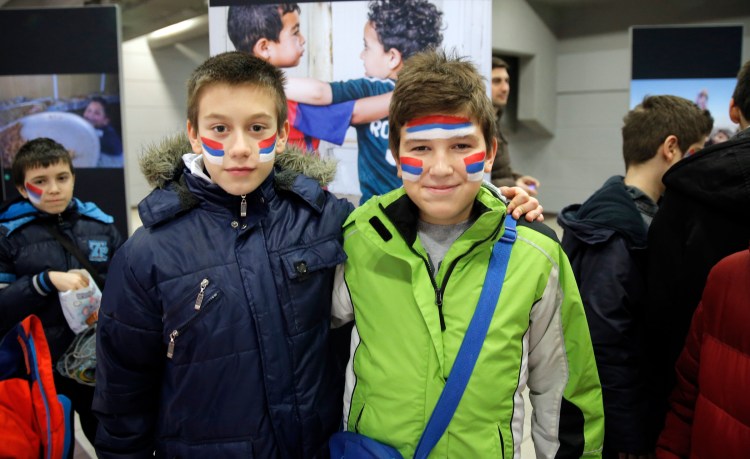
(440, 291)
(198, 303)
(243, 206)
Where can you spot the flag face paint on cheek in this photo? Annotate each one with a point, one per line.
(35, 193)
(267, 149)
(475, 166)
(438, 127)
(213, 151)
(411, 169)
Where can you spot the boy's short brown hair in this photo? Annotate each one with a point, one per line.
(41, 152)
(432, 82)
(246, 24)
(649, 124)
(236, 68)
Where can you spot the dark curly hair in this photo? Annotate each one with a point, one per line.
(409, 26)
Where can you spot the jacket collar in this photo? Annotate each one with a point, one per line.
(20, 212)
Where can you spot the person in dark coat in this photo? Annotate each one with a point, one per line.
(35, 266)
(702, 218)
(502, 173)
(606, 241)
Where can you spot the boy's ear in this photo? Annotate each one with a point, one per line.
(23, 192)
(282, 136)
(669, 147)
(195, 141)
(395, 59)
(261, 50)
(734, 112)
(490, 158)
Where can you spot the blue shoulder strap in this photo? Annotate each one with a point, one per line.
(472, 343)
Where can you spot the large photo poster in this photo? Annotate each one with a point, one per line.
(342, 59)
(699, 63)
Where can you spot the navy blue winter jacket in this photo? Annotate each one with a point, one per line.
(28, 251)
(213, 338)
(605, 239)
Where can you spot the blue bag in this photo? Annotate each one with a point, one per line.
(350, 445)
(354, 445)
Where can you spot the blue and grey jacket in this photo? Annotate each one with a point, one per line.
(28, 252)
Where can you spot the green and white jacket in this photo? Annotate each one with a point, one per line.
(410, 323)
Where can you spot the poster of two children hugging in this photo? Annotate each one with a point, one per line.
(342, 59)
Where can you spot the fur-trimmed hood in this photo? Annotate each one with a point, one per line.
(162, 162)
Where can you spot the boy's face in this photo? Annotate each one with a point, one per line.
(442, 161)
(377, 60)
(50, 188)
(238, 135)
(95, 114)
(291, 45)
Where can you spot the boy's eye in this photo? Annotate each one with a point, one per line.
(257, 128)
(420, 148)
(220, 129)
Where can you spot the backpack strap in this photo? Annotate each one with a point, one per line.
(76, 252)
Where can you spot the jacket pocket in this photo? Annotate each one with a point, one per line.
(308, 279)
(183, 335)
(502, 442)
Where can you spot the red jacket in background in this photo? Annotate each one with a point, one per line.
(709, 413)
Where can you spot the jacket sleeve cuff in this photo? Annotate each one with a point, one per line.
(42, 283)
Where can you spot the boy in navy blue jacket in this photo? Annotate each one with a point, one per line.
(34, 266)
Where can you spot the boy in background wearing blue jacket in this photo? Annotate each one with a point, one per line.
(606, 240)
(35, 266)
(417, 260)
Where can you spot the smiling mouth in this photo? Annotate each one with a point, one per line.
(440, 188)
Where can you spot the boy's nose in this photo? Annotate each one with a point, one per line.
(441, 165)
(242, 146)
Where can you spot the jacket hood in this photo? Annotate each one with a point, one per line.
(161, 162)
(609, 211)
(717, 176)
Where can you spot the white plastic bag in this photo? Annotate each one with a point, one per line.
(81, 307)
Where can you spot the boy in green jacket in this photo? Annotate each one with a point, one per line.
(417, 259)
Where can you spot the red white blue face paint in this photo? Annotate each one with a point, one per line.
(35, 193)
(438, 127)
(267, 149)
(475, 166)
(411, 168)
(213, 151)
